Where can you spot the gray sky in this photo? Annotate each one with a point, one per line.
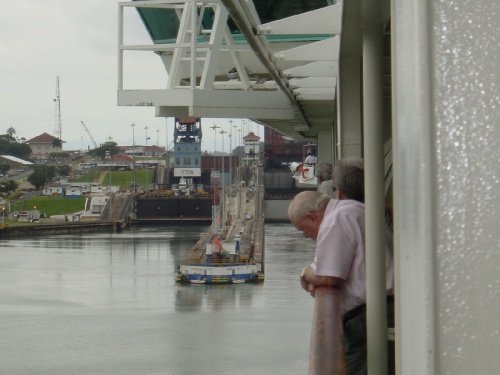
(77, 42)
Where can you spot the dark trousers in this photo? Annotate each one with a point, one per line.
(355, 347)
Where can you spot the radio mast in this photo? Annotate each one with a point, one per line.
(57, 101)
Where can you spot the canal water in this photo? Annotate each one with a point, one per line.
(108, 304)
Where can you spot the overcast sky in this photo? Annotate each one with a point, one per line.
(76, 41)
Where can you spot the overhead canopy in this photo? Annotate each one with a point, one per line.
(13, 161)
(275, 62)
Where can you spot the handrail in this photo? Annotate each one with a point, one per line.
(327, 351)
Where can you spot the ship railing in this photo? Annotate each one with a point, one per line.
(224, 261)
(326, 354)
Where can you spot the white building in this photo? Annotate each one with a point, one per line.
(43, 145)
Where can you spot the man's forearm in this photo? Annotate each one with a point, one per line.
(311, 278)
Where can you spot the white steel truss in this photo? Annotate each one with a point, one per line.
(290, 85)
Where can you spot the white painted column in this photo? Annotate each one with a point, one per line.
(373, 117)
(349, 98)
(325, 148)
(414, 189)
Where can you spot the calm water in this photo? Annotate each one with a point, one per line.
(108, 304)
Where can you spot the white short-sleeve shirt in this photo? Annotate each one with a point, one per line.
(340, 251)
(310, 159)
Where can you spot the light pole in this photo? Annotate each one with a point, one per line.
(230, 167)
(223, 187)
(222, 132)
(242, 123)
(133, 155)
(235, 144)
(230, 156)
(215, 127)
(147, 163)
(240, 143)
(166, 140)
(109, 214)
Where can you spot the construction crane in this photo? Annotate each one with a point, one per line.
(90, 135)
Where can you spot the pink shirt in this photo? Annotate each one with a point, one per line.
(340, 251)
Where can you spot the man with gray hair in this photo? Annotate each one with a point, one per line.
(348, 183)
(348, 176)
(323, 172)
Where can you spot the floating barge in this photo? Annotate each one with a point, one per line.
(231, 251)
(234, 254)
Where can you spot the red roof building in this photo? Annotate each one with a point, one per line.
(251, 146)
(122, 159)
(43, 145)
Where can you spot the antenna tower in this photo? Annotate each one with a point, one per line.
(57, 101)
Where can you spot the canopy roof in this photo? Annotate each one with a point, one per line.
(275, 62)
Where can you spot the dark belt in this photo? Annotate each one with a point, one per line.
(351, 314)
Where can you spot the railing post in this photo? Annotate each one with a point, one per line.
(327, 351)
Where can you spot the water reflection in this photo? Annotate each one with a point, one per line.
(214, 297)
(110, 300)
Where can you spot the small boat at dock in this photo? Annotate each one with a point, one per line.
(194, 281)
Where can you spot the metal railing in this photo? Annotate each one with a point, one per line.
(327, 351)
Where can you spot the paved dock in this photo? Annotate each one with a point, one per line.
(239, 220)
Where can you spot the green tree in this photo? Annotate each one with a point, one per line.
(11, 131)
(10, 146)
(56, 143)
(8, 138)
(4, 168)
(7, 186)
(41, 175)
(111, 147)
(64, 170)
(20, 150)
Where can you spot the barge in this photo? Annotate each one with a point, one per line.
(233, 254)
(232, 249)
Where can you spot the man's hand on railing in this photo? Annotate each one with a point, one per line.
(307, 286)
(310, 281)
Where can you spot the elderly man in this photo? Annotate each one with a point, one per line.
(323, 172)
(338, 226)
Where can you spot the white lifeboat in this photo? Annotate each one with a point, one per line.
(304, 174)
